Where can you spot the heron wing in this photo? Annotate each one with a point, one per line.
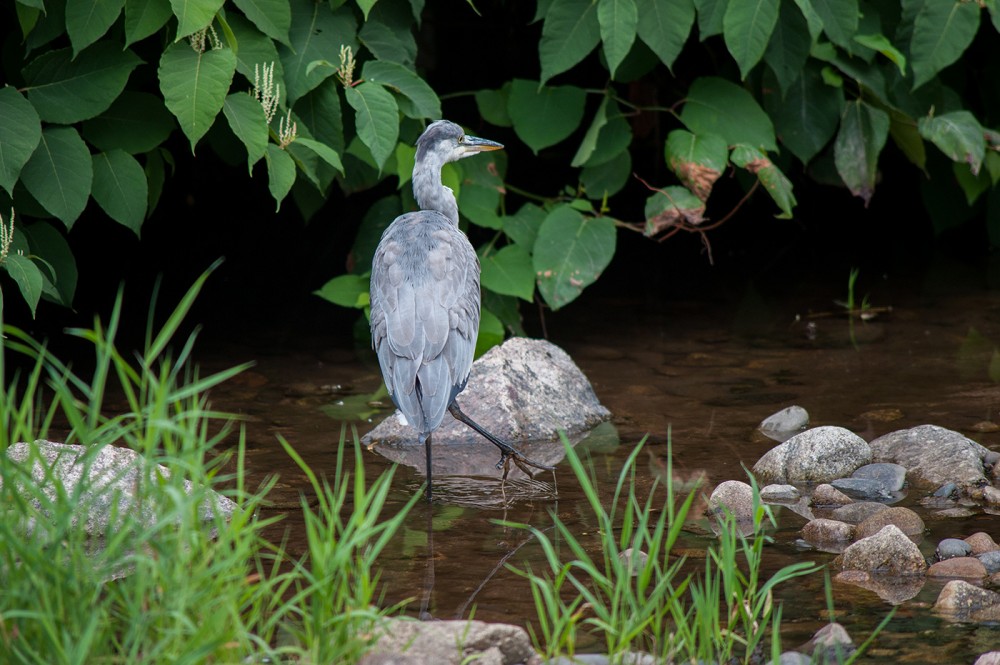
(424, 314)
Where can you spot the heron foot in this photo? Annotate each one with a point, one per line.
(508, 453)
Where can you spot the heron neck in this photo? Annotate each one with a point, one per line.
(431, 194)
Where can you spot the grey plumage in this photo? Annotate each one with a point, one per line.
(425, 296)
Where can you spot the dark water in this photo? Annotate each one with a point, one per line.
(705, 374)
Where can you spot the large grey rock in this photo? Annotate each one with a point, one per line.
(889, 476)
(932, 455)
(524, 391)
(454, 642)
(961, 600)
(888, 552)
(818, 455)
(107, 484)
(856, 513)
(734, 495)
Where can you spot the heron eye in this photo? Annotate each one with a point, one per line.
(461, 139)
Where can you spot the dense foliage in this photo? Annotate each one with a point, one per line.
(328, 96)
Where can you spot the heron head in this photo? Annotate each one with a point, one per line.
(444, 141)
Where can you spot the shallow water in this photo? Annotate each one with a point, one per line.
(702, 374)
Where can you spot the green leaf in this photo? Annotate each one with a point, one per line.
(571, 251)
(256, 50)
(863, 131)
(194, 86)
(606, 178)
(377, 118)
(671, 206)
(880, 43)
(973, 185)
(380, 214)
(388, 33)
(59, 173)
(408, 84)
(366, 6)
(193, 15)
(807, 118)
(482, 187)
(323, 151)
(618, 20)
(120, 188)
(66, 90)
(589, 142)
(346, 290)
(136, 122)
(490, 332)
(88, 20)
(155, 176)
(27, 276)
(320, 110)
(316, 34)
(942, 31)
(747, 27)
(522, 227)
(777, 185)
(665, 27)
(20, 132)
(571, 31)
(958, 134)
(789, 46)
(144, 17)
(249, 124)
(492, 105)
(272, 17)
(47, 242)
(614, 139)
(840, 19)
(907, 138)
(710, 14)
(509, 272)
(544, 116)
(280, 173)
(697, 159)
(717, 106)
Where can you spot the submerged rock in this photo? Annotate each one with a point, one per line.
(963, 601)
(856, 513)
(888, 552)
(932, 455)
(779, 493)
(824, 532)
(895, 589)
(830, 644)
(819, 455)
(962, 566)
(453, 643)
(903, 518)
(106, 484)
(785, 423)
(890, 476)
(826, 494)
(525, 390)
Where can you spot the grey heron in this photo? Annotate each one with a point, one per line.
(425, 298)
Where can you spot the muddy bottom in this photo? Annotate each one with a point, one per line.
(700, 375)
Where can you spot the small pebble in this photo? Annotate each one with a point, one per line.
(861, 488)
(782, 493)
(890, 476)
(985, 427)
(948, 490)
(790, 419)
(826, 494)
(990, 560)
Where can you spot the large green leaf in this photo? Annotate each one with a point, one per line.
(120, 188)
(747, 28)
(376, 117)
(193, 15)
(606, 178)
(249, 124)
(378, 218)
(425, 102)
(509, 272)
(710, 14)
(346, 290)
(144, 17)
(958, 134)
(490, 332)
(614, 138)
(807, 118)
(571, 31)
(256, 51)
(671, 206)
(840, 19)
(316, 35)
(697, 159)
(329, 156)
(280, 173)
(20, 132)
(272, 17)
(942, 30)
(321, 111)
(136, 122)
(879, 42)
(522, 227)
(589, 142)
(88, 20)
(27, 276)
(544, 116)
(388, 33)
(665, 27)
(492, 105)
(863, 131)
(789, 46)
(571, 251)
(481, 189)
(618, 20)
(67, 90)
(717, 106)
(775, 182)
(47, 242)
(194, 85)
(59, 173)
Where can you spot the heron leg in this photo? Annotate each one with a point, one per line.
(507, 451)
(426, 438)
